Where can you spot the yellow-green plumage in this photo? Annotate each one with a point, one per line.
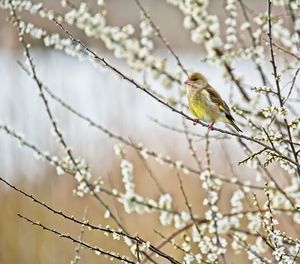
(205, 102)
(200, 106)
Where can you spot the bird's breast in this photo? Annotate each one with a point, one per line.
(201, 105)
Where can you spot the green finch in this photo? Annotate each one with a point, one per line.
(206, 103)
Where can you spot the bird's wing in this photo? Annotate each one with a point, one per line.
(217, 99)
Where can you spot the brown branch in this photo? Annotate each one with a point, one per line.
(138, 86)
(86, 223)
(97, 250)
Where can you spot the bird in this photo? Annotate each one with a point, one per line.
(206, 103)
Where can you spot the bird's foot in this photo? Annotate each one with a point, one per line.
(211, 127)
(195, 121)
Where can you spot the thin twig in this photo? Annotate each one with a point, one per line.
(191, 147)
(277, 79)
(254, 44)
(269, 175)
(248, 248)
(286, 51)
(148, 169)
(209, 190)
(161, 37)
(77, 249)
(175, 245)
(292, 86)
(97, 250)
(188, 205)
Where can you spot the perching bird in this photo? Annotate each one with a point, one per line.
(206, 103)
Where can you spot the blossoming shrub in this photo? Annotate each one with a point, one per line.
(268, 113)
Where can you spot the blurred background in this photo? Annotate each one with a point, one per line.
(117, 106)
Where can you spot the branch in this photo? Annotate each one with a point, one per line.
(162, 38)
(54, 124)
(97, 250)
(87, 224)
(277, 79)
(138, 86)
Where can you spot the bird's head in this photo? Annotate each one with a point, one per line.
(196, 79)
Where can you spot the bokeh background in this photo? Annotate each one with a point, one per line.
(114, 104)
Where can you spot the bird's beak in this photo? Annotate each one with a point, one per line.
(187, 81)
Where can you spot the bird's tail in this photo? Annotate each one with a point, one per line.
(230, 120)
(235, 126)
